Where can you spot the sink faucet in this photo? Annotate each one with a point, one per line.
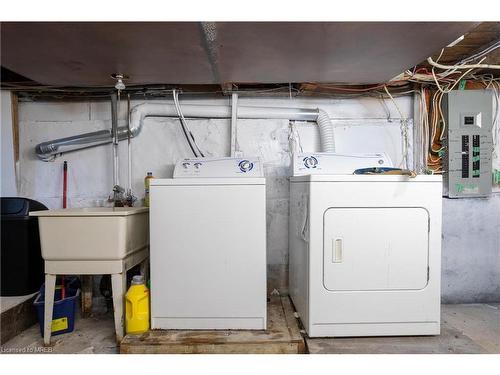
(118, 196)
(122, 199)
(130, 198)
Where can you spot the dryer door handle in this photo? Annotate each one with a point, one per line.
(337, 250)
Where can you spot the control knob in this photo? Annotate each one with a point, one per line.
(245, 166)
(310, 162)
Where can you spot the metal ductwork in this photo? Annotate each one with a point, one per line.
(48, 150)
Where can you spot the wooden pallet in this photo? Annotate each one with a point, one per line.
(281, 337)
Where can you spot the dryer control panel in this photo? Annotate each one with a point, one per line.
(333, 163)
(219, 167)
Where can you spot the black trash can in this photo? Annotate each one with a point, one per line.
(21, 258)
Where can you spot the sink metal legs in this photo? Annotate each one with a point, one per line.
(119, 288)
(50, 288)
(145, 269)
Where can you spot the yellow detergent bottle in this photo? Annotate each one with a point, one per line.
(137, 307)
(147, 181)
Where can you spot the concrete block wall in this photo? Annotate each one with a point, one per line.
(471, 250)
(361, 125)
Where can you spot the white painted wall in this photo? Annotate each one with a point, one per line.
(361, 125)
(161, 143)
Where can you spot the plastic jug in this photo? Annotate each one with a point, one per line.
(137, 306)
(147, 181)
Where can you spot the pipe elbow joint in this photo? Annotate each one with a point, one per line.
(136, 119)
(45, 151)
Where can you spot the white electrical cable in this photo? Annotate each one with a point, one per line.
(449, 84)
(425, 133)
(463, 66)
(294, 139)
(385, 107)
(443, 119)
(477, 55)
(447, 90)
(425, 130)
(183, 125)
(187, 132)
(404, 131)
(417, 133)
(496, 120)
(424, 118)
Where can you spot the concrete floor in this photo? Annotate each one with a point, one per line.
(471, 328)
(91, 335)
(465, 329)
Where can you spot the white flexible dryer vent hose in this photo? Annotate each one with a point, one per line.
(325, 132)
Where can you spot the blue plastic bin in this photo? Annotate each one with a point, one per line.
(63, 318)
(70, 282)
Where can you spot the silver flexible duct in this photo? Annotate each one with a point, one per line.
(48, 150)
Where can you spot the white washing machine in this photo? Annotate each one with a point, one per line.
(365, 252)
(208, 246)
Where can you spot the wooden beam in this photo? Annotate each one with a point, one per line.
(227, 88)
(86, 295)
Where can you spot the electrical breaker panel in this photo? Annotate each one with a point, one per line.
(469, 143)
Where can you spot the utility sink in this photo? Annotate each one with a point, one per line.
(96, 233)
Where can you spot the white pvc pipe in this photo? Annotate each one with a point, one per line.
(219, 111)
(129, 149)
(234, 122)
(114, 133)
(141, 111)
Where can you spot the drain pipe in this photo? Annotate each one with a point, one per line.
(129, 148)
(48, 150)
(114, 138)
(234, 123)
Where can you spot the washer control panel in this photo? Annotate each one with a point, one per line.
(333, 163)
(219, 167)
(310, 162)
